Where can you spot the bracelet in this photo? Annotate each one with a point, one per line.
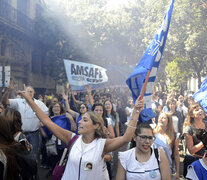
(67, 112)
(131, 126)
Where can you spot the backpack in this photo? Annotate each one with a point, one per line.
(27, 165)
(157, 156)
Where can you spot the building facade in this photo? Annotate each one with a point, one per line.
(19, 48)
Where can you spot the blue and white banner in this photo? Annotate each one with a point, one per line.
(150, 61)
(80, 74)
(201, 95)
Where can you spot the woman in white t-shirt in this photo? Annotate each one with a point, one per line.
(90, 147)
(141, 162)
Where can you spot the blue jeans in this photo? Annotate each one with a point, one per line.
(34, 139)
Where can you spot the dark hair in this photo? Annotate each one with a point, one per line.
(96, 104)
(84, 105)
(169, 101)
(113, 113)
(104, 112)
(10, 148)
(62, 110)
(142, 126)
(14, 120)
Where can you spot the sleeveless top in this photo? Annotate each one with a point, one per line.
(190, 130)
(148, 170)
(85, 164)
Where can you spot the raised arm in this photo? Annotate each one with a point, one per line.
(5, 97)
(65, 97)
(72, 122)
(59, 132)
(69, 112)
(113, 144)
(88, 89)
(74, 99)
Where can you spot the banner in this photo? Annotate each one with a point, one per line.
(80, 74)
(150, 61)
(201, 95)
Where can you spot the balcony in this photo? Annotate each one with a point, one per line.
(14, 18)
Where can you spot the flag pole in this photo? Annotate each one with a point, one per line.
(145, 85)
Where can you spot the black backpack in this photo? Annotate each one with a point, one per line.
(27, 166)
(157, 156)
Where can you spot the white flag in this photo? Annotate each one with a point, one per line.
(81, 74)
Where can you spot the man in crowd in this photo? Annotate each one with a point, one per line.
(30, 122)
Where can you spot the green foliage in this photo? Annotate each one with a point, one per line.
(177, 74)
(90, 31)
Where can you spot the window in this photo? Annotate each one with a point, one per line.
(22, 5)
(3, 47)
(39, 10)
(36, 62)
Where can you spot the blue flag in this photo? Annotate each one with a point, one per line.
(201, 95)
(61, 121)
(150, 61)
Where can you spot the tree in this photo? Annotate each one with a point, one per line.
(90, 31)
(177, 74)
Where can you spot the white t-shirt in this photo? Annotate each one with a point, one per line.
(148, 170)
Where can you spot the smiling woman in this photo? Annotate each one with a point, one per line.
(142, 162)
(91, 146)
(195, 147)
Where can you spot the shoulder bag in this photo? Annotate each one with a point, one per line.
(60, 166)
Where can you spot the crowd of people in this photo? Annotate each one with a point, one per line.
(105, 121)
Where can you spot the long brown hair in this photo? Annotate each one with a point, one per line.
(97, 119)
(13, 117)
(9, 147)
(170, 131)
(189, 118)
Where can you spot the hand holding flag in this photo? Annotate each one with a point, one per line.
(149, 63)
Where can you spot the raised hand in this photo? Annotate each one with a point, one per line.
(11, 85)
(64, 96)
(25, 87)
(139, 104)
(88, 88)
